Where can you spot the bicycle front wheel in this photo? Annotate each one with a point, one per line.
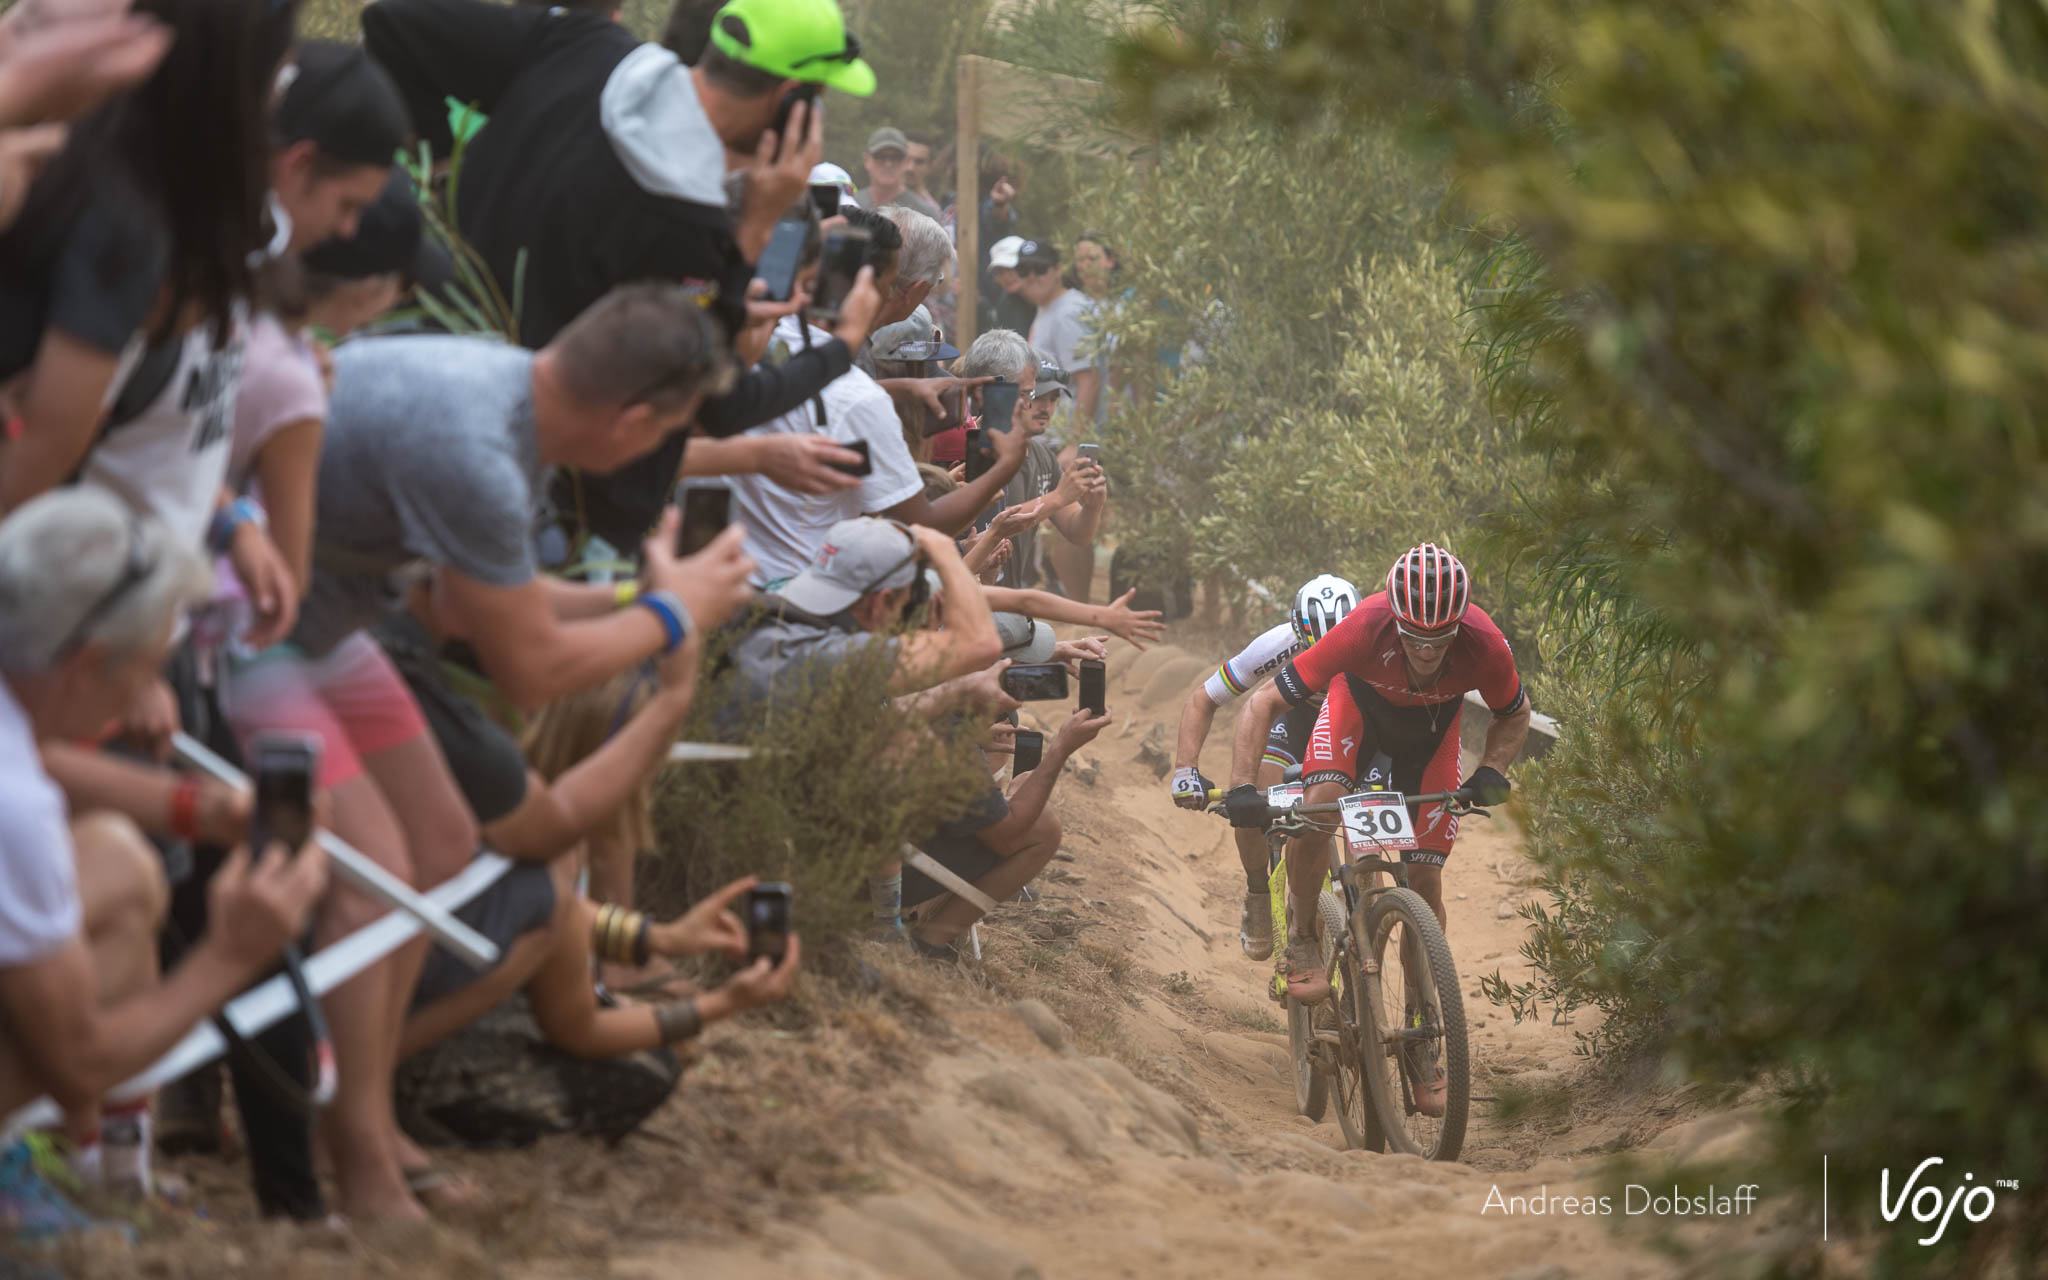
(1418, 1015)
(1358, 1044)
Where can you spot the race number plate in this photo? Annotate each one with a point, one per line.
(1285, 796)
(1376, 821)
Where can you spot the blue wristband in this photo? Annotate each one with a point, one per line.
(674, 617)
(221, 533)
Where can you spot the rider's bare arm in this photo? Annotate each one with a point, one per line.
(1504, 739)
(1196, 716)
(1262, 706)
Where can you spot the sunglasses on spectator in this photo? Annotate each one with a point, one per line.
(1430, 643)
(139, 569)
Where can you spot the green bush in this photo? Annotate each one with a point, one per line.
(1783, 353)
(840, 782)
(1322, 417)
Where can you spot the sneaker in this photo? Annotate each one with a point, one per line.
(1255, 926)
(1308, 980)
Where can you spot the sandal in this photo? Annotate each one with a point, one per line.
(437, 1188)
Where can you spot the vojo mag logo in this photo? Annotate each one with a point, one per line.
(1927, 1204)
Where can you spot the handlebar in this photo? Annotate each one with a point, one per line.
(1457, 801)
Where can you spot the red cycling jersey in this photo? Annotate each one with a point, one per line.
(1367, 646)
(1373, 710)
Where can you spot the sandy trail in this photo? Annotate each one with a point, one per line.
(1107, 1093)
(1180, 1153)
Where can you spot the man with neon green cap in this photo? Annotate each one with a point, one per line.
(605, 161)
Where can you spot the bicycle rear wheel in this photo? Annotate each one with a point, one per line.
(1311, 1070)
(1419, 1015)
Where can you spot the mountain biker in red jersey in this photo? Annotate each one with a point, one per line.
(1395, 673)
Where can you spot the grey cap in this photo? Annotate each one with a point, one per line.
(857, 556)
(911, 340)
(1052, 380)
(1025, 639)
(888, 138)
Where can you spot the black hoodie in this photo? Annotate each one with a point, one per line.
(599, 162)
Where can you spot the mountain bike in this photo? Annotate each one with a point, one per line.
(1395, 1015)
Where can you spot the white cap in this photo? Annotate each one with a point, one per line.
(1003, 253)
(858, 556)
(826, 171)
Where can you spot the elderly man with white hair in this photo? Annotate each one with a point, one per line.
(89, 594)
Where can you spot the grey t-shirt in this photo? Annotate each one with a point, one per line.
(788, 657)
(1039, 475)
(429, 455)
(908, 200)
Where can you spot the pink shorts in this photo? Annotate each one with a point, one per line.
(353, 698)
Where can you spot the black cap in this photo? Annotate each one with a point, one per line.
(337, 96)
(390, 237)
(1035, 255)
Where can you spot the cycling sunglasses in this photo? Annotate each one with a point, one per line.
(140, 567)
(1431, 643)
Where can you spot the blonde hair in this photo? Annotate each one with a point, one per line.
(569, 729)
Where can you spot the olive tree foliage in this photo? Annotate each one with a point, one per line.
(1291, 394)
(1778, 345)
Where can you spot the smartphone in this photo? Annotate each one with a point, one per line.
(866, 465)
(1030, 750)
(954, 400)
(1036, 682)
(706, 512)
(286, 765)
(782, 257)
(825, 198)
(998, 405)
(1094, 685)
(846, 252)
(1090, 452)
(767, 922)
(804, 93)
(981, 455)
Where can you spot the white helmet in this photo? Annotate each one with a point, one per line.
(1320, 605)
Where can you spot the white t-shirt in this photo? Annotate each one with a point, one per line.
(170, 460)
(785, 529)
(39, 909)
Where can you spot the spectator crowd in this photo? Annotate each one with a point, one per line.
(257, 499)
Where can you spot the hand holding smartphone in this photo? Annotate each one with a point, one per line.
(1035, 681)
(706, 512)
(981, 453)
(1094, 685)
(845, 253)
(998, 405)
(286, 765)
(866, 465)
(1030, 750)
(779, 261)
(768, 922)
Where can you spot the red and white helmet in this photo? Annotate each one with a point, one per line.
(1428, 589)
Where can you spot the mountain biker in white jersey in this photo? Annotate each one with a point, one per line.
(1320, 604)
